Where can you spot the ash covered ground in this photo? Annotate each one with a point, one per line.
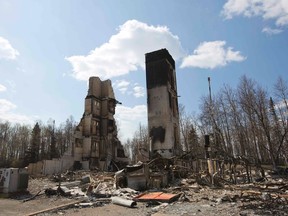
(89, 193)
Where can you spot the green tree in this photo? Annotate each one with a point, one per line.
(32, 154)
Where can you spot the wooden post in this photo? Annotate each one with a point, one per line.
(208, 157)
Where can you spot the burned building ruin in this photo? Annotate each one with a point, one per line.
(162, 103)
(96, 135)
(163, 127)
(95, 144)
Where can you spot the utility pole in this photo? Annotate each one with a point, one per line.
(207, 141)
(210, 96)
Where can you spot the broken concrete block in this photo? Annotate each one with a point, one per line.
(77, 192)
(64, 191)
(85, 179)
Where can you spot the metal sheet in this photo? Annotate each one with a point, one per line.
(156, 196)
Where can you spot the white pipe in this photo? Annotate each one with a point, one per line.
(123, 202)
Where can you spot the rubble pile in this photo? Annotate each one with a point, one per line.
(94, 189)
(159, 186)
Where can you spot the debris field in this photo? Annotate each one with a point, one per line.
(96, 193)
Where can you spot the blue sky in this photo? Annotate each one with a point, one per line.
(49, 48)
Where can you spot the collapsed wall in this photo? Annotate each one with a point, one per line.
(96, 135)
(162, 103)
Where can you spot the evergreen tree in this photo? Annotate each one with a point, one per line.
(32, 154)
(53, 148)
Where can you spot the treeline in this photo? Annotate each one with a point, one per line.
(246, 121)
(22, 144)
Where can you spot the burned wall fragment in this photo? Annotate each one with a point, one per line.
(162, 103)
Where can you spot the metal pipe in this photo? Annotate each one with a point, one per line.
(123, 202)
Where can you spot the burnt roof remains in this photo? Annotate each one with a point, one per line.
(159, 55)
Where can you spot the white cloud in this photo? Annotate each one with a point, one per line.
(7, 114)
(6, 50)
(6, 105)
(211, 55)
(11, 85)
(122, 85)
(271, 31)
(129, 119)
(282, 106)
(267, 9)
(2, 88)
(125, 87)
(124, 52)
(138, 91)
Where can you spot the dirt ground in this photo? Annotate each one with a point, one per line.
(266, 198)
